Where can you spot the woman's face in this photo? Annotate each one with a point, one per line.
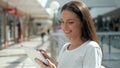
(71, 24)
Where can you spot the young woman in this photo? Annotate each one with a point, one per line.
(83, 50)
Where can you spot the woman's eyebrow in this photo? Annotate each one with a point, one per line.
(66, 20)
(70, 20)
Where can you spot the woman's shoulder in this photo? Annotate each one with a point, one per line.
(93, 44)
(94, 47)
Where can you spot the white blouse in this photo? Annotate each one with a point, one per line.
(88, 55)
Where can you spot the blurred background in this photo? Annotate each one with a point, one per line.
(36, 24)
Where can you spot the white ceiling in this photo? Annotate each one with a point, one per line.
(30, 7)
(37, 10)
(92, 3)
(98, 7)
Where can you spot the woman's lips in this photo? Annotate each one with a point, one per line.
(68, 32)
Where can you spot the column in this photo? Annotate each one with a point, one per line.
(5, 30)
(14, 29)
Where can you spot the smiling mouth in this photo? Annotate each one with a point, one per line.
(68, 32)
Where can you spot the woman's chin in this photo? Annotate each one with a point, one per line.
(68, 37)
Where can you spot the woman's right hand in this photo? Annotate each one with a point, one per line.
(45, 54)
(43, 65)
(49, 59)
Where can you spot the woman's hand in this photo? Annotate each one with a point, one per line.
(50, 61)
(43, 65)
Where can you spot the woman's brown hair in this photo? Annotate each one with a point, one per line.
(82, 11)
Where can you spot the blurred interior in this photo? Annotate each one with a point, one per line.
(23, 20)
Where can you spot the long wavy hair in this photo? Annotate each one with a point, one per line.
(81, 10)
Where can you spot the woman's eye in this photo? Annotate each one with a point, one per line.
(71, 22)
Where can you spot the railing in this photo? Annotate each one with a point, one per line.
(113, 41)
(104, 37)
(110, 35)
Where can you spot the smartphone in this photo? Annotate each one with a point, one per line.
(33, 53)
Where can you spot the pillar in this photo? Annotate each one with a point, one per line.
(6, 41)
(14, 29)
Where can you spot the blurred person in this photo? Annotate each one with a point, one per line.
(83, 50)
(42, 34)
(48, 31)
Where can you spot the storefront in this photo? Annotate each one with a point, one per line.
(8, 28)
(13, 25)
(11, 21)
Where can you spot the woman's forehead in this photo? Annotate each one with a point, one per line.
(69, 14)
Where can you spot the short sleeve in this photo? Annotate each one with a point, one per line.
(92, 58)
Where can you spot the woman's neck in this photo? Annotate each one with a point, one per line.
(75, 43)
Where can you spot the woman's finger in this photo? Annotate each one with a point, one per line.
(52, 65)
(40, 63)
(45, 54)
